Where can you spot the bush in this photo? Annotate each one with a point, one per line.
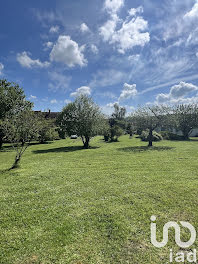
(61, 133)
(48, 134)
(145, 136)
(47, 131)
(171, 136)
(116, 132)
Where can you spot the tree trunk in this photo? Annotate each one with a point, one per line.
(186, 134)
(111, 136)
(16, 163)
(150, 138)
(1, 142)
(86, 143)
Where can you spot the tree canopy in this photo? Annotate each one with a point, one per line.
(186, 118)
(82, 117)
(150, 117)
(12, 101)
(20, 129)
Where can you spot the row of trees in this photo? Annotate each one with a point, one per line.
(20, 125)
(84, 118)
(182, 118)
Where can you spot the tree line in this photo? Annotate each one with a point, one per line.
(19, 124)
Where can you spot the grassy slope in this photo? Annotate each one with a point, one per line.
(69, 205)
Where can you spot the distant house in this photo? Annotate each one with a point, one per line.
(48, 115)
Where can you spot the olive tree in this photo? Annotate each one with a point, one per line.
(82, 117)
(151, 118)
(12, 101)
(186, 118)
(20, 129)
(117, 122)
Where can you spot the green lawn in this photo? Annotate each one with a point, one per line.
(70, 205)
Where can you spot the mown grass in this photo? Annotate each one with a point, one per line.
(69, 205)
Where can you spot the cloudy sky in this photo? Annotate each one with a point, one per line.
(128, 51)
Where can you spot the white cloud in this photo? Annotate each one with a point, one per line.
(108, 29)
(85, 90)
(186, 78)
(193, 13)
(68, 52)
(108, 78)
(130, 34)
(192, 38)
(67, 101)
(182, 89)
(47, 45)
(26, 62)
(177, 93)
(113, 6)
(59, 82)
(109, 108)
(94, 49)
(180, 21)
(53, 101)
(84, 28)
(50, 17)
(54, 29)
(197, 54)
(1, 68)
(111, 105)
(134, 58)
(33, 97)
(129, 91)
(134, 11)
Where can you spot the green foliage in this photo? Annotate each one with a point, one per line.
(61, 133)
(171, 136)
(20, 129)
(129, 127)
(186, 118)
(155, 136)
(119, 112)
(150, 118)
(105, 129)
(116, 132)
(12, 102)
(82, 117)
(117, 123)
(47, 130)
(12, 99)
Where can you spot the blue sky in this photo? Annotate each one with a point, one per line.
(131, 52)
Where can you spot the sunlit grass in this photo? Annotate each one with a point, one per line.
(66, 204)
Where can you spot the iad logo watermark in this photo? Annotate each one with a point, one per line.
(179, 256)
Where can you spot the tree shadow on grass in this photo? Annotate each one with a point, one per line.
(6, 149)
(4, 171)
(145, 148)
(62, 149)
(9, 148)
(39, 143)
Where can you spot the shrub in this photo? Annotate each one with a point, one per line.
(106, 132)
(145, 136)
(48, 134)
(116, 132)
(171, 136)
(61, 133)
(47, 130)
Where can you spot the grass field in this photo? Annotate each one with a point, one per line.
(70, 205)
